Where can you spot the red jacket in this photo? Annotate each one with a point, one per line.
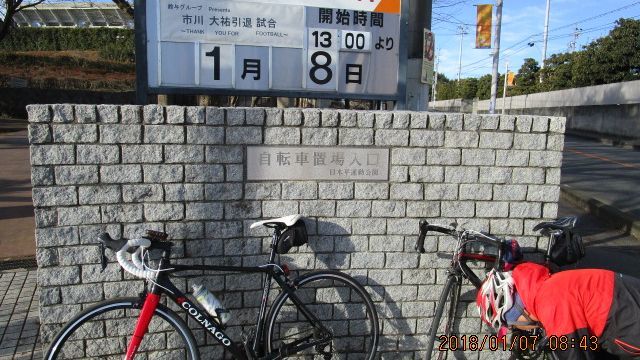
(566, 301)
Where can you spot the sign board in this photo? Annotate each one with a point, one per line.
(324, 48)
(317, 163)
(428, 54)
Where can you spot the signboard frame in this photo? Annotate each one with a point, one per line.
(143, 90)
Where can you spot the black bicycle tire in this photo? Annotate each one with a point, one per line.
(451, 281)
(317, 275)
(117, 304)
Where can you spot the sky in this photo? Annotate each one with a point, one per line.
(522, 23)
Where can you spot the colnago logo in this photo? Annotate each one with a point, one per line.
(206, 323)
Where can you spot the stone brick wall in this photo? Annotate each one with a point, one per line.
(123, 169)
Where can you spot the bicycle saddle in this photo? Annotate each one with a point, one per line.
(559, 224)
(282, 222)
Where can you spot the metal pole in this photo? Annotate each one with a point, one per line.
(504, 91)
(545, 36)
(496, 59)
(461, 29)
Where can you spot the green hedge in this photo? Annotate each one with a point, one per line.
(26, 60)
(58, 39)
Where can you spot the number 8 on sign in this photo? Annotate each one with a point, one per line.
(318, 67)
(322, 59)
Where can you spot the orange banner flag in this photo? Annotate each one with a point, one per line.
(483, 26)
(511, 79)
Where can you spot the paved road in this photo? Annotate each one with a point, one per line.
(16, 208)
(607, 173)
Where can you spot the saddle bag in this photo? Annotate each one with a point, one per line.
(293, 236)
(567, 248)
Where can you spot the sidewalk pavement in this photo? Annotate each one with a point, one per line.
(19, 321)
(17, 225)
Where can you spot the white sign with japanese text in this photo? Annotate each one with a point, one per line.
(334, 47)
(317, 163)
(231, 22)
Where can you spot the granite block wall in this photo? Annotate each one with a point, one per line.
(124, 169)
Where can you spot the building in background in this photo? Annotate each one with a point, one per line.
(74, 14)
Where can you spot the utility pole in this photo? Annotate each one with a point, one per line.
(574, 42)
(462, 32)
(504, 91)
(545, 36)
(496, 59)
(417, 93)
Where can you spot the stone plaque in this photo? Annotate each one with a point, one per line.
(317, 163)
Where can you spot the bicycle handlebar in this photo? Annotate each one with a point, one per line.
(135, 266)
(426, 227)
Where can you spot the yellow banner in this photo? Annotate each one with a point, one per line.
(483, 26)
(511, 79)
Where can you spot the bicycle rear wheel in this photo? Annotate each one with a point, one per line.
(443, 322)
(104, 330)
(341, 305)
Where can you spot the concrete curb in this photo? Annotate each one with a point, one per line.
(611, 140)
(603, 211)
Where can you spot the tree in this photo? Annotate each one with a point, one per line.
(557, 73)
(446, 88)
(8, 10)
(484, 87)
(613, 58)
(467, 88)
(527, 77)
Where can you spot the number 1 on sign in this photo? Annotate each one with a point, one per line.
(216, 65)
(215, 53)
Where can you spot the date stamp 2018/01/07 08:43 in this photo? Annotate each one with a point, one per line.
(522, 343)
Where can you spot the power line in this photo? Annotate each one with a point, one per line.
(583, 20)
(529, 38)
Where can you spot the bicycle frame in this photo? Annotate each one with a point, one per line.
(163, 285)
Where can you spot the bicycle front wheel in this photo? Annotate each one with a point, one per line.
(103, 331)
(442, 322)
(345, 323)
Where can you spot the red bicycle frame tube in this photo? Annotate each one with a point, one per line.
(149, 307)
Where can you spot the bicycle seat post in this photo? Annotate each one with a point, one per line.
(274, 241)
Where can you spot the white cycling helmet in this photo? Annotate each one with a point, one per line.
(495, 298)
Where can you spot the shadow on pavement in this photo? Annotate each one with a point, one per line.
(607, 247)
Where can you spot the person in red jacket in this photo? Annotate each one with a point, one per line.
(584, 309)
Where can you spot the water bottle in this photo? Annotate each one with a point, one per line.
(211, 303)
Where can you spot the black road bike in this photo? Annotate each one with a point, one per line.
(490, 252)
(319, 315)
